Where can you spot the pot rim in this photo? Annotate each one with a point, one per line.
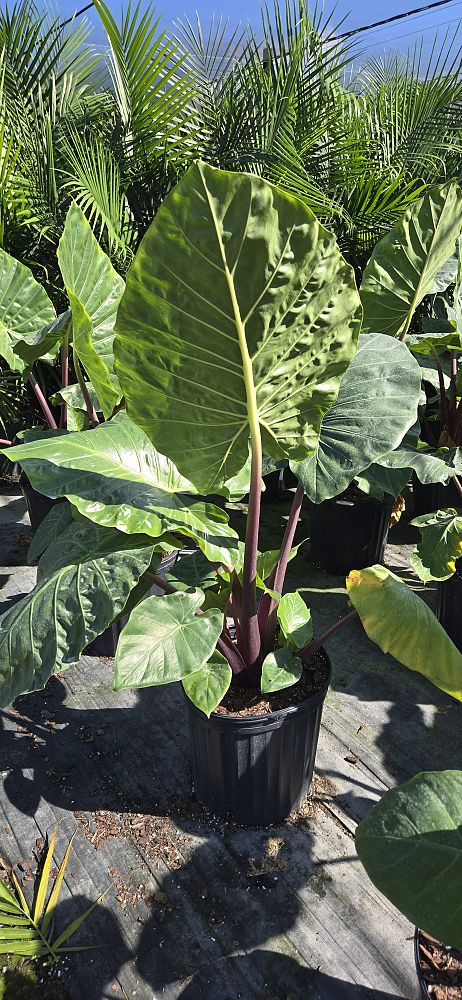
(387, 501)
(422, 983)
(267, 717)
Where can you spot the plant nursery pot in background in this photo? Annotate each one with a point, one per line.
(256, 769)
(449, 605)
(38, 506)
(434, 496)
(349, 534)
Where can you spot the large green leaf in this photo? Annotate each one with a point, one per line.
(411, 848)
(376, 406)
(114, 476)
(166, 640)
(429, 466)
(238, 302)
(206, 687)
(440, 544)
(56, 521)
(402, 624)
(25, 311)
(84, 582)
(192, 572)
(406, 262)
(94, 289)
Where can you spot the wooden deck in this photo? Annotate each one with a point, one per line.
(202, 909)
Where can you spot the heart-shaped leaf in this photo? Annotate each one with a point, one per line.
(280, 670)
(208, 686)
(115, 477)
(94, 290)
(295, 620)
(239, 308)
(440, 544)
(402, 624)
(411, 848)
(406, 262)
(165, 640)
(376, 406)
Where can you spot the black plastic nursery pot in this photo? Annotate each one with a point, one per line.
(420, 977)
(9, 470)
(433, 496)
(255, 769)
(38, 506)
(426, 989)
(349, 534)
(449, 605)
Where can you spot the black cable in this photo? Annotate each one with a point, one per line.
(77, 14)
(408, 34)
(345, 34)
(388, 20)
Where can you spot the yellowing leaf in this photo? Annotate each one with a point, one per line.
(400, 623)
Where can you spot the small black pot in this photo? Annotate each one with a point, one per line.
(106, 643)
(255, 769)
(433, 496)
(11, 470)
(349, 534)
(449, 605)
(38, 506)
(422, 983)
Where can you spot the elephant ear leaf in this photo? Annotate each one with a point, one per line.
(165, 640)
(206, 687)
(84, 582)
(280, 669)
(402, 624)
(376, 406)
(239, 309)
(410, 846)
(295, 620)
(25, 313)
(440, 544)
(406, 262)
(94, 290)
(114, 476)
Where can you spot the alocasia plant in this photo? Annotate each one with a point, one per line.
(238, 327)
(418, 258)
(30, 330)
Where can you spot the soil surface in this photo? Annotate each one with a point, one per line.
(353, 494)
(244, 701)
(441, 968)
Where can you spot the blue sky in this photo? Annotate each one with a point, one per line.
(399, 35)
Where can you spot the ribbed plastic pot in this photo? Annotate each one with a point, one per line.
(38, 506)
(349, 534)
(449, 605)
(106, 643)
(255, 769)
(434, 496)
(423, 986)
